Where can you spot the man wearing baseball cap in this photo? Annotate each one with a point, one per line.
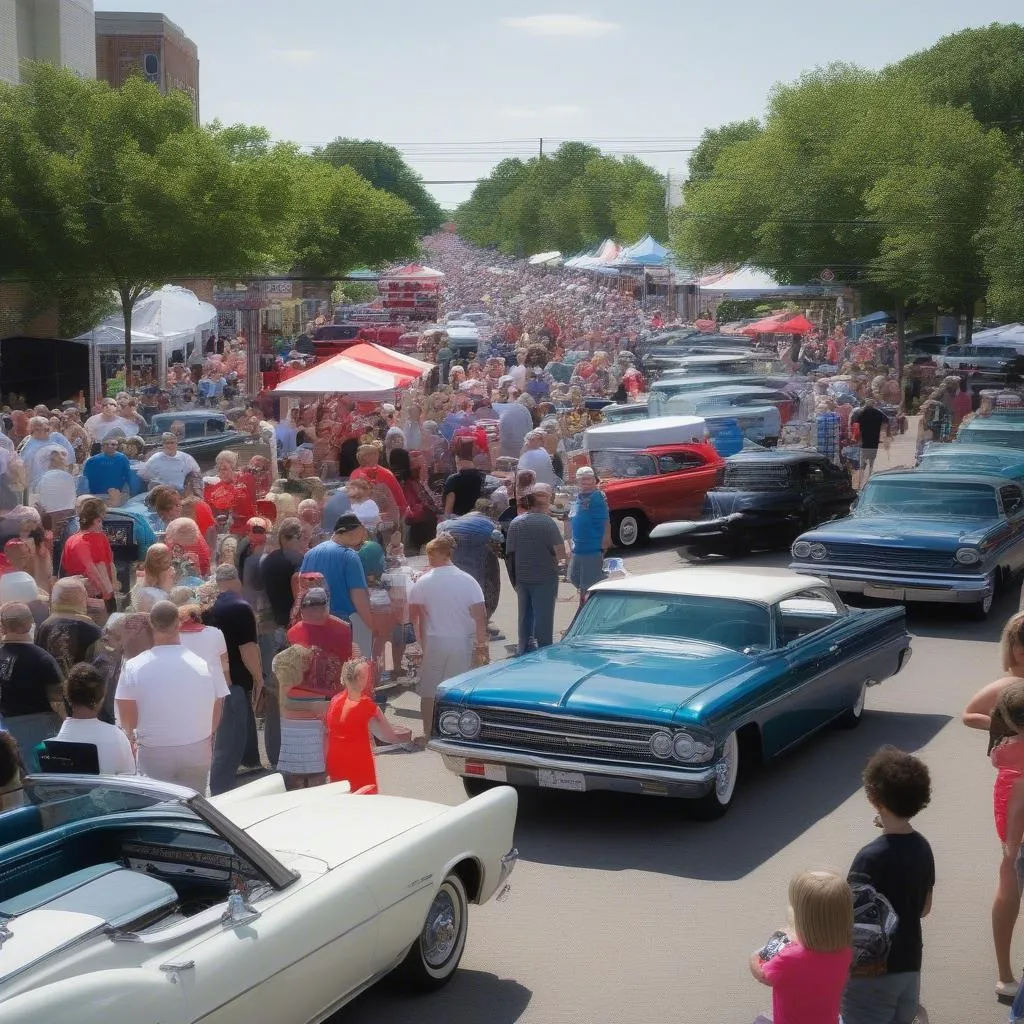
(168, 466)
(337, 560)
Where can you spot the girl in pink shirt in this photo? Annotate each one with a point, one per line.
(807, 967)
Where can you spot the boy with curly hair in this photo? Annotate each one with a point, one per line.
(900, 867)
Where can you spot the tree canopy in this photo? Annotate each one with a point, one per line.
(104, 189)
(567, 201)
(384, 168)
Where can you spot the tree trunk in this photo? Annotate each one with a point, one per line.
(901, 323)
(968, 319)
(127, 304)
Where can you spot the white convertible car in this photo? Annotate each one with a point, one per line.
(128, 901)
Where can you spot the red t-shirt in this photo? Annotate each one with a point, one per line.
(380, 475)
(334, 636)
(203, 517)
(80, 548)
(349, 754)
(807, 986)
(234, 498)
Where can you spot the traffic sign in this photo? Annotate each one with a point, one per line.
(827, 275)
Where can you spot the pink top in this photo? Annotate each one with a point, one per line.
(1008, 757)
(807, 986)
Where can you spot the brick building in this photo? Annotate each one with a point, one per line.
(61, 32)
(147, 44)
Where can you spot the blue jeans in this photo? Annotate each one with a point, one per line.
(536, 613)
(270, 644)
(885, 999)
(234, 736)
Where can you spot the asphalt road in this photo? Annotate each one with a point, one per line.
(623, 912)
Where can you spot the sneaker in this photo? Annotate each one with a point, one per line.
(1007, 990)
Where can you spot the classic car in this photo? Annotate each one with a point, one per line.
(129, 901)
(203, 433)
(733, 396)
(1000, 359)
(623, 412)
(765, 500)
(923, 536)
(646, 484)
(759, 423)
(972, 458)
(670, 684)
(1000, 429)
(737, 363)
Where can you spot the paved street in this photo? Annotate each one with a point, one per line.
(622, 911)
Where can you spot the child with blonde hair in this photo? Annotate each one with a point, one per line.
(807, 966)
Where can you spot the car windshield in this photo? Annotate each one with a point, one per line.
(62, 800)
(1005, 437)
(756, 477)
(712, 620)
(928, 498)
(622, 465)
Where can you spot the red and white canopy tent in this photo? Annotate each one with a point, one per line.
(343, 376)
(769, 325)
(413, 272)
(387, 359)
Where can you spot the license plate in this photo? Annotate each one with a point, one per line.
(551, 779)
(888, 593)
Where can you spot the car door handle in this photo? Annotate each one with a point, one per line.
(834, 649)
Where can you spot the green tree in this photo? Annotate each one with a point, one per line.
(713, 141)
(384, 167)
(1004, 254)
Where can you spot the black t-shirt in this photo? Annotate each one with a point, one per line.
(27, 674)
(871, 421)
(235, 619)
(467, 485)
(902, 869)
(278, 569)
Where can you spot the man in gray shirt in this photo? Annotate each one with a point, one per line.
(514, 423)
(535, 550)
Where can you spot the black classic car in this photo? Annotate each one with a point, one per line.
(766, 498)
(203, 433)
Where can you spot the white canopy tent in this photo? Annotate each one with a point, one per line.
(545, 258)
(340, 376)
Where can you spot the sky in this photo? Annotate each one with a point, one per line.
(458, 85)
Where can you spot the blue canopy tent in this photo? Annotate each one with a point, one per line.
(645, 253)
(857, 327)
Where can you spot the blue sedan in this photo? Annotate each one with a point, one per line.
(667, 684)
(923, 536)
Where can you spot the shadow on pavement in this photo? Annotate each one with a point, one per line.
(469, 998)
(778, 802)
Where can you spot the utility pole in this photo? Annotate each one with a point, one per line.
(542, 149)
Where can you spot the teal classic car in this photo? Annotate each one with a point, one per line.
(1001, 429)
(670, 684)
(972, 458)
(923, 536)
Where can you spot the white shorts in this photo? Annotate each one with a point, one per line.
(443, 658)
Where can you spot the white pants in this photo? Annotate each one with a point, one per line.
(444, 657)
(187, 765)
(362, 636)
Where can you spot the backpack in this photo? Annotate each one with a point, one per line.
(874, 925)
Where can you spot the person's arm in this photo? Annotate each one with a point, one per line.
(128, 715)
(449, 503)
(479, 613)
(53, 683)
(927, 904)
(92, 572)
(360, 598)
(250, 655)
(191, 466)
(396, 492)
(417, 623)
(218, 713)
(757, 969)
(978, 713)
(387, 731)
(145, 469)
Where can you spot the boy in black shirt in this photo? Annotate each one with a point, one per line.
(898, 865)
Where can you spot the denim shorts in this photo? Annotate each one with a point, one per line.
(882, 999)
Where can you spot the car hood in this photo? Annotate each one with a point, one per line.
(720, 503)
(647, 679)
(936, 534)
(327, 823)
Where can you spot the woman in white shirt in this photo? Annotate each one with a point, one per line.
(55, 489)
(205, 641)
(84, 689)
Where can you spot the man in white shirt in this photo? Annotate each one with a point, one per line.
(34, 450)
(168, 699)
(168, 466)
(536, 458)
(98, 426)
(447, 609)
(55, 491)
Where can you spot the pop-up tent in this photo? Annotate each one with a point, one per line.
(798, 324)
(769, 325)
(543, 259)
(645, 253)
(750, 283)
(388, 360)
(343, 376)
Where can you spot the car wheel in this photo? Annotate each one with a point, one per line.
(435, 955)
(978, 612)
(727, 770)
(853, 715)
(629, 529)
(476, 786)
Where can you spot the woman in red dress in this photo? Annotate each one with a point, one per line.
(349, 747)
(228, 495)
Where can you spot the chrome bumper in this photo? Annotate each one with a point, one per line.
(935, 588)
(523, 769)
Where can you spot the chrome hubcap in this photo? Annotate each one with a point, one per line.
(628, 531)
(725, 771)
(858, 706)
(441, 931)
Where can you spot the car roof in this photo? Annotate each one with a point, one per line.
(967, 453)
(738, 389)
(739, 585)
(995, 422)
(190, 414)
(783, 455)
(992, 479)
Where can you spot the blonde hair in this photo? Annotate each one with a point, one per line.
(443, 545)
(1013, 637)
(822, 906)
(352, 670)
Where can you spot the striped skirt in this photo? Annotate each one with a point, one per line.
(302, 747)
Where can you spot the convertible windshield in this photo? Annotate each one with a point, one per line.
(928, 498)
(712, 620)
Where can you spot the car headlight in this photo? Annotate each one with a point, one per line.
(968, 556)
(691, 750)
(801, 549)
(818, 551)
(448, 723)
(661, 745)
(469, 724)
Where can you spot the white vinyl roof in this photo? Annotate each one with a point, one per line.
(739, 584)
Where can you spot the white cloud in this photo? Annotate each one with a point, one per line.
(551, 112)
(296, 58)
(562, 25)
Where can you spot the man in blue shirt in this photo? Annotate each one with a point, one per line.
(589, 529)
(337, 560)
(108, 471)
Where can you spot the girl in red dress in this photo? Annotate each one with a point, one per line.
(349, 747)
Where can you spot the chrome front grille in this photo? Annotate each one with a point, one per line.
(566, 737)
(894, 559)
